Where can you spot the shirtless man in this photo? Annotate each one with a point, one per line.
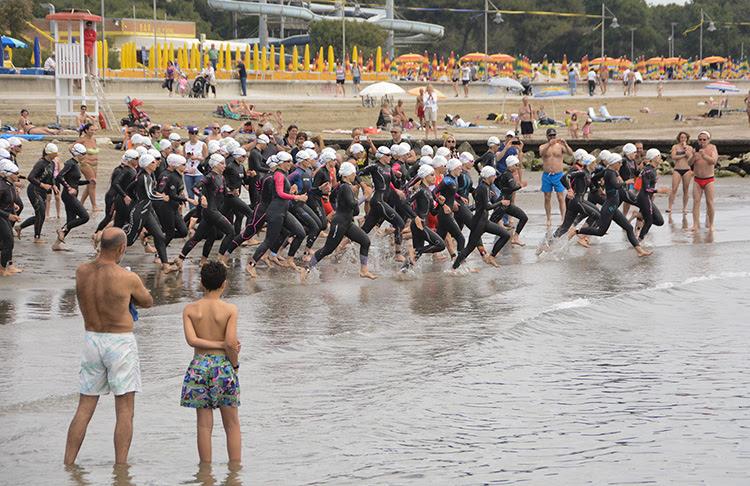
(109, 361)
(703, 163)
(747, 106)
(526, 119)
(552, 163)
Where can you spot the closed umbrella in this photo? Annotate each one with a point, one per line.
(436, 93)
(508, 83)
(382, 88)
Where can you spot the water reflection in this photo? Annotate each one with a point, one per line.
(121, 475)
(205, 475)
(78, 475)
(7, 312)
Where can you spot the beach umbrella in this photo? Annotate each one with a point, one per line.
(435, 92)
(713, 59)
(282, 58)
(263, 59)
(379, 60)
(407, 58)
(723, 86)
(37, 53)
(295, 60)
(306, 58)
(331, 60)
(654, 61)
(355, 56)
(501, 58)
(382, 88)
(272, 59)
(12, 42)
(474, 57)
(508, 83)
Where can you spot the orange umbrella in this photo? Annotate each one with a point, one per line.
(437, 93)
(674, 60)
(405, 58)
(474, 57)
(607, 60)
(713, 59)
(654, 60)
(501, 58)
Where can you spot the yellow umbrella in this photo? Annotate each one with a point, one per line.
(263, 59)
(256, 58)
(151, 57)
(295, 61)
(247, 56)
(282, 58)
(228, 63)
(436, 93)
(306, 62)
(379, 60)
(355, 57)
(319, 61)
(272, 60)
(331, 60)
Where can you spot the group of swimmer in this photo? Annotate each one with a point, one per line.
(297, 191)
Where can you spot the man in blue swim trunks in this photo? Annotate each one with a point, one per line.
(552, 154)
(109, 361)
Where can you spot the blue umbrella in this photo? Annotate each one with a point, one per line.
(550, 93)
(12, 43)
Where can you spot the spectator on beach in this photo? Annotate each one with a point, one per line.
(573, 126)
(586, 130)
(84, 117)
(466, 78)
(26, 127)
(242, 73)
(210, 74)
(430, 111)
(572, 81)
(385, 118)
(110, 361)
(89, 41)
(182, 85)
(525, 119)
(399, 115)
(50, 65)
(420, 108)
(169, 75)
(356, 77)
(591, 77)
(603, 78)
(213, 56)
(340, 78)
(455, 76)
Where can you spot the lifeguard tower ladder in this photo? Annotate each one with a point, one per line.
(71, 79)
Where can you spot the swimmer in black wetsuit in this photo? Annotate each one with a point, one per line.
(69, 179)
(212, 223)
(171, 183)
(142, 213)
(579, 181)
(380, 210)
(480, 223)
(301, 178)
(448, 188)
(424, 240)
(342, 223)
(508, 186)
(649, 213)
(613, 185)
(116, 200)
(277, 210)
(235, 177)
(41, 183)
(8, 216)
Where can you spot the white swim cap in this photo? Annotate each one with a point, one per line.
(347, 169)
(511, 160)
(613, 159)
(493, 141)
(424, 171)
(427, 150)
(164, 144)
(50, 149)
(130, 155)
(405, 148)
(356, 148)
(78, 149)
(466, 157)
(213, 146)
(175, 160)
(137, 139)
(579, 154)
(604, 155)
(263, 138)
(7, 166)
(175, 137)
(226, 129)
(4, 154)
(652, 153)
(439, 161)
(302, 155)
(284, 157)
(396, 150)
(154, 153)
(425, 160)
(629, 148)
(308, 144)
(588, 159)
(141, 150)
(383, 150)
(147, 142)
(215, 160)
(239, 152)
(443, 151)
(145, 160)
(15, 142)
(326, 156)
(454, 164)
(487, 172)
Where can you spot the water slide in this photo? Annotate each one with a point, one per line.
(375, 16)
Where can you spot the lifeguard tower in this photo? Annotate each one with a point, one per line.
(73, 85)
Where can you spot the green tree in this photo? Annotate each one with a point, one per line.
(14, 14)
(366, 36)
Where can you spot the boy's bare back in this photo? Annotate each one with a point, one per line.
(209, 318)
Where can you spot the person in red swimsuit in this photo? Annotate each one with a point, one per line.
(89, 41)
(703, 163)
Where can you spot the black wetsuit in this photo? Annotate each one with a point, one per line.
(171, 183)
(380, 210)
(403, 207)
(465, 189)
(577, 207)
(275, 213)
(448, 188)
(235, 209)
(7, 207)
(508, 185)
(613, 186)
(41, 173)
(256, 163)
(212, 222)
(316, 197)
(425, 240)
(342, 226)
(143, 215)
(480, 224)
(114, 204)
(649, 212)
(303, 179)
(257, 220)
(70, 178)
